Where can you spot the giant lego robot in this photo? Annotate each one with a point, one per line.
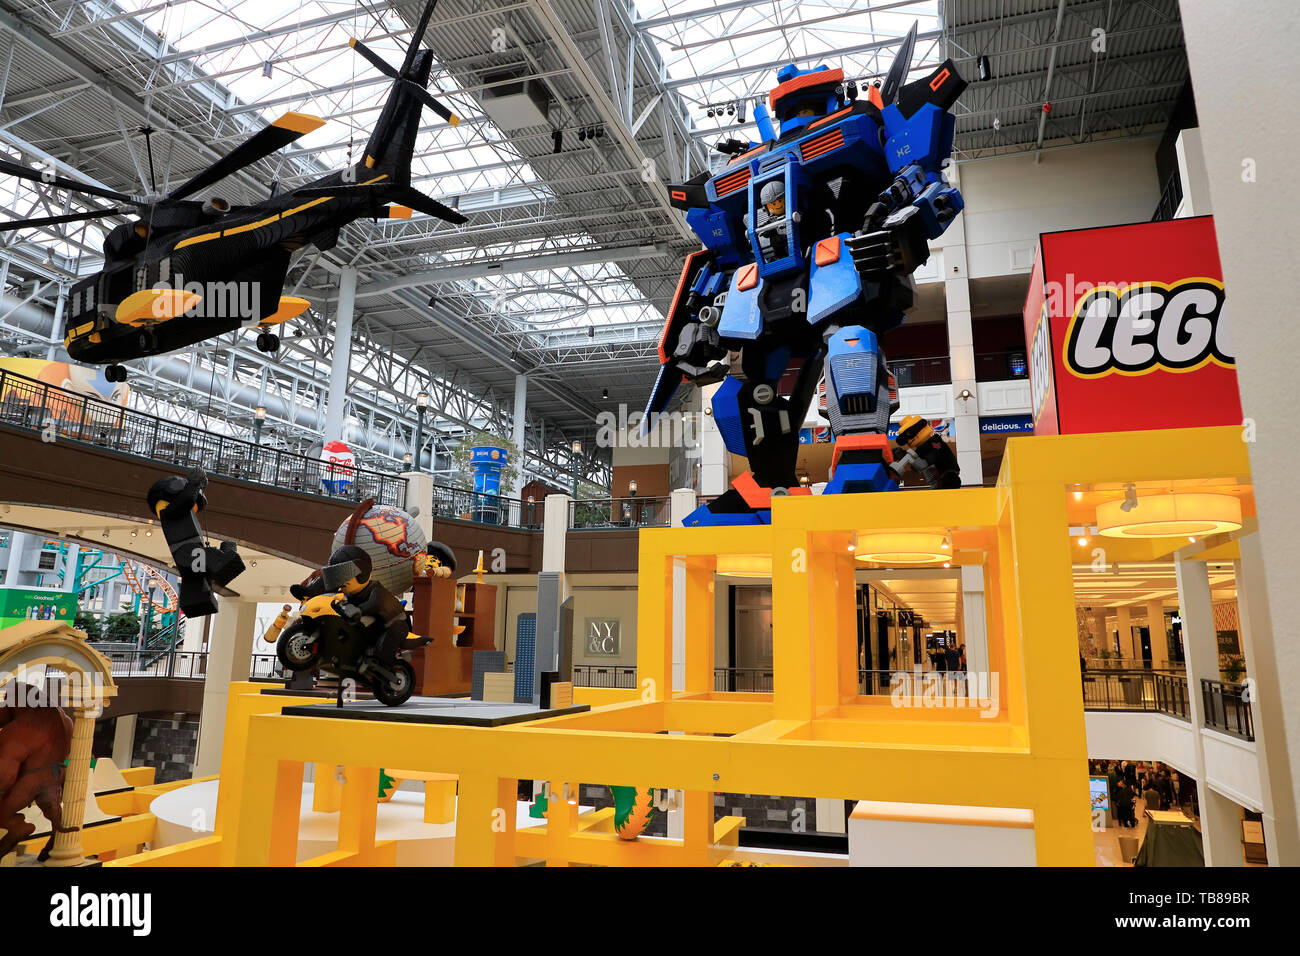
(810, 239)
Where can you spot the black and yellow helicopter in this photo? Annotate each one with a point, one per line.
(188, 270)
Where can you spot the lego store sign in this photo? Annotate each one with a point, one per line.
(1127, 330)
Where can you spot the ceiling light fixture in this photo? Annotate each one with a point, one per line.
(901, 547)
(1170, 516)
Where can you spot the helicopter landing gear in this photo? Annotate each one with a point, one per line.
(115, 373)
(147, 340)
(268, 342)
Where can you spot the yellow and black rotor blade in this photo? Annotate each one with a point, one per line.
(278, 135)
(49, 179)
(427, 99)
(58, 220)
(374, 59)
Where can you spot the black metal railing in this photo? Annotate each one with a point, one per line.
(67, 416)
(749, 680)
(265, 665)
(182, 664)
(874, 682)
(1227, 708)
(162, 642)
(460, 504)
(1151, 691)
(595, 513)
(600, 675)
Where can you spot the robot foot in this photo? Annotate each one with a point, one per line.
(860, 463)
(747, 502)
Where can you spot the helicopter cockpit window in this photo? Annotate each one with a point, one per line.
(124, 242)
(772, 221)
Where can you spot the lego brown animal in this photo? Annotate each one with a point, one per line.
(34, 746)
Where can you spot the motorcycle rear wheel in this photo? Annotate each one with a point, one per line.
(394, 693)
(297, 649)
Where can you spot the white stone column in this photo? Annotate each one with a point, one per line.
(1192, 174)
(1250, 167)
(961, 348)
(1125, 627)
(230, 651)
(342, 355)
(124, 740)
(681, 503)
(1281, 832)
(419, 494)
(974, 625)
(555, 528)
(715, 466)
(1201, 650)
(1156, 627)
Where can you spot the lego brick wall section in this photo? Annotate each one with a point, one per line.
(78, 477)
(168, 744)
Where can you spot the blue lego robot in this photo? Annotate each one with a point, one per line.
(810, 239)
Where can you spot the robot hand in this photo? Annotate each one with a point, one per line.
(900, 246)
(698, 353)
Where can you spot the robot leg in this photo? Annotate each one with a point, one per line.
(858, 404)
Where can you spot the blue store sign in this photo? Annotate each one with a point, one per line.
(1007, 425)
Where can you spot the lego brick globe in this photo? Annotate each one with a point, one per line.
(392, 538)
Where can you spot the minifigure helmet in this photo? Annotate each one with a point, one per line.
(773, 191)
(913, 430)
(346, 563)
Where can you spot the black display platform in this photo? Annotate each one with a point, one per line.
(435, 710)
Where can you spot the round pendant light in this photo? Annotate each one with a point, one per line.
(1176, 515)
(902, 547)
(745, 565)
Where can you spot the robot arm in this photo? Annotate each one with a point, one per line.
(920, 203)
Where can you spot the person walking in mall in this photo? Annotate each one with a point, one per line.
(1124, 805)
(1151, 796)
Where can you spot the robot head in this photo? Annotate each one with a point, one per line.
(348, 570)
(803, 96)
(772, 197)
(913, 430)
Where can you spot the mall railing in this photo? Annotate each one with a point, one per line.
(588, 514)
(68, 416)
(596, 675)
(1227, 708)
(460, 504)
(1170, 198)
(264, 666)
(139, 663)
(1138, 689)
(750, 680)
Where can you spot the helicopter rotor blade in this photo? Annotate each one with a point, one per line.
(48, 179)
(278, 135)
(427, 99)
(58, 220)
(374, 59)
(417, 36)
(898, 71)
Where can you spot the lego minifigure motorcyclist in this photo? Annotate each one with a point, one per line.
(349, 572)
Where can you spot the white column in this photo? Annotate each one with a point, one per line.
(961, 348)
(1156, 627)
(517, 435)
(1253, 189)
(342, 355)
(680, 504)
(1099, 629)
(419, 494)
(974, 624)
(230, 651)
(1125, 628)
(830, 810)
(555, 528)
(1192, 174)
(715, 468)
(1201, 650)
(1281, 833)
(123, 740)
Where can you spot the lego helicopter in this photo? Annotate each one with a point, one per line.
(187, 270)
(810, 240)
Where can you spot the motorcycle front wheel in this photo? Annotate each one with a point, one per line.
(297, 649)
(398, 691)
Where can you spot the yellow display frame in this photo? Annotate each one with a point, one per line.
(813, 736)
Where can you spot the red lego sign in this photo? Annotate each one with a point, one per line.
(1126, 329)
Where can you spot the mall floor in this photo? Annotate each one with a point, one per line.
(1106, 845)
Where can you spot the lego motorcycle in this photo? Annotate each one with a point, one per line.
(330, 634)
